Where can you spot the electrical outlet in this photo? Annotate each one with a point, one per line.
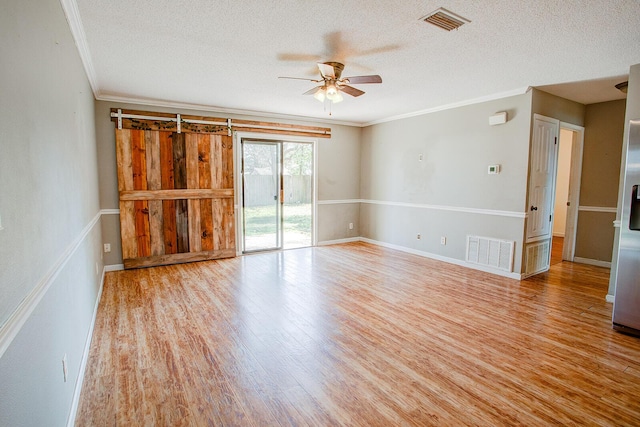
(107, 247)
(443, 240)
(350, 226)
(420, 157)
(64, 367)
(418, 236)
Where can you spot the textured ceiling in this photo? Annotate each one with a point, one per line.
(227, 55)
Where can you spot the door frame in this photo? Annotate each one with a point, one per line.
(278, 176)
(237, 161)
(575, 175)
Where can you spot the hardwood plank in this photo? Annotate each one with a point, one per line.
(556, 249)
(219, 239)
(123, 159)
(139, 170)
(168, 206)
(255, 125)
(191, 160)
(191, 155)
(356, 334)
(177, 194)
(227, 161)
(154, 182)
(128, 237)
(217, 172)
(204, 178)
(281, 132)
(228, 212)
(228, 204)
(180, 182)
(178, 258)
(195, 238)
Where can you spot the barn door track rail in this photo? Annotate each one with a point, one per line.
(145, 120)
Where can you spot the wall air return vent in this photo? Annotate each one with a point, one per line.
(444, 19)
(490, 252)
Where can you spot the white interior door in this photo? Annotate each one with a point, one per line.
(542, 176)
(573, 200)
(544, 147)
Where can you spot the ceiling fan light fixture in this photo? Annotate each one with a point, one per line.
(332, 90)
(320, 95)
(337, 98)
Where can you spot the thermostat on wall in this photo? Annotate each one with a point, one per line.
(493, 169)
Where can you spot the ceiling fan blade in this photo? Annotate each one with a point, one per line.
(298, 57)
(327, 70)
(358, 80)
(351, 90)
(300, 78)
(312, 91)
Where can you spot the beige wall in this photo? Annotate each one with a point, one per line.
(405, 196)
(557, 108)
(50, 245)
(338, 174)
(604, 128)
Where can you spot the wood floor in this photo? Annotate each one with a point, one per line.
(556, 250)
(356, 334)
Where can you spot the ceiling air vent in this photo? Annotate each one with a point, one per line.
(444, 19)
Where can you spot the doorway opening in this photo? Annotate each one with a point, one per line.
(277, 194)
(567, 192)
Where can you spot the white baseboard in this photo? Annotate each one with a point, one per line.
(448, 260)
(589, 261)
(71, 421)
(609, 298)
(338, 241)
(558, 235)
(114, 267)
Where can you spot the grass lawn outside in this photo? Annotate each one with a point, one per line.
(260, 226)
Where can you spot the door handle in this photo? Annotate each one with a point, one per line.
(534, 208)
(275, 197)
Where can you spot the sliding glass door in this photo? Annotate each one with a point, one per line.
(261, 195)
(277, 202)
(297, 205)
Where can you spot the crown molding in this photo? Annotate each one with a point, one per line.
(71, 12)
(492, 97)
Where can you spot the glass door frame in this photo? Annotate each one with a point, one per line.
(238, 137)
(277, 170)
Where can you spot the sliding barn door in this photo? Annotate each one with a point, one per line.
(176, 197)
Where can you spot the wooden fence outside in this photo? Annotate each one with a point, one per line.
(260, 189)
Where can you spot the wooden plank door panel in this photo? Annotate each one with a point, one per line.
(176, 196)
(154, 183)
(204, 181)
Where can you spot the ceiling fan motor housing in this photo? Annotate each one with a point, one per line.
(337, 68)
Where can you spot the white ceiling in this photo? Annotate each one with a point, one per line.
(227, 55)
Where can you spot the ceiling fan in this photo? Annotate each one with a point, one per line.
(333, 84)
